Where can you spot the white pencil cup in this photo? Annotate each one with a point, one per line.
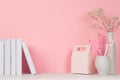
(102, 64)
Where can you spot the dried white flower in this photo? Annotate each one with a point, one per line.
(109, 23)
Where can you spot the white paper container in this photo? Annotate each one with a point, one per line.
(82, 61)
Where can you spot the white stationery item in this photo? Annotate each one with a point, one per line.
(28, 58)
(106, 50)
(103, 66)
(7, 57)
(1, 58)
(13, 57)
(82, 60)
(18, 56)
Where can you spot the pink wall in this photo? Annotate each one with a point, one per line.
(52, 27)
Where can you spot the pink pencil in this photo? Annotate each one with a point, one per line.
(100, 53)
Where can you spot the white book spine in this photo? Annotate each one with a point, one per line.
(7, 57)
(29, 59)
(13, 58)
(18, 57)
(1, 58)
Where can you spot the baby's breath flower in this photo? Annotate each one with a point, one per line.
(109, 23)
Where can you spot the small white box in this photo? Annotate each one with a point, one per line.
(82, 60)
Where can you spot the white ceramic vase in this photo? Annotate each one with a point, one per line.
(112, 53)
(103, 65)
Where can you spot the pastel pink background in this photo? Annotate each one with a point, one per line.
(52, 27)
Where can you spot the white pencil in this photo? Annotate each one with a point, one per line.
(105, 54)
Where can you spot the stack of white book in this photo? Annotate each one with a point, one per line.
(11, 57)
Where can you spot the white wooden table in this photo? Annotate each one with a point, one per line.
(60, 76)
